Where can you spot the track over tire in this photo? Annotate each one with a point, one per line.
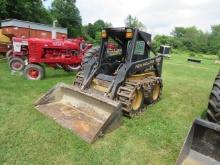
(154, 92)
(9, 54)
(16, 64)
(92, 52)
(213, 112)
(131, 96)
(34, 72)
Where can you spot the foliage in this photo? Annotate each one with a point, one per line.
(27, 10)
(92, 31)
(133, 22)
(192, 39)
(218, 54)
(67, 15)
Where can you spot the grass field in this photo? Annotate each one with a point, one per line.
(155, 137)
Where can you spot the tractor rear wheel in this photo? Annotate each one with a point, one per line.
(213, 112)
(72, 67)
(16, 64)
(34, 72)
(91, 53)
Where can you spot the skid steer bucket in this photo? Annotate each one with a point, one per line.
(88, 115)
(202, 145)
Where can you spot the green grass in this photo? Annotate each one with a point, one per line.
(155, 137)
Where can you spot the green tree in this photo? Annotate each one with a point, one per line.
(67, 15)
(94, 30)
(27, 10)
(214, 40)
(133, 22)
(190, 38)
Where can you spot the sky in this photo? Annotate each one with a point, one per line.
(158, 16)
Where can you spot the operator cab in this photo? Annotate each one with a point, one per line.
(120, 46)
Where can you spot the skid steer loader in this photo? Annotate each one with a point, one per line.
(108, 86)
(202, 145)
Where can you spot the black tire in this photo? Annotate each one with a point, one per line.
(72, 68)
(16, 64)
(34, 72)
(9, 54)
(91, 53)
(213, 112)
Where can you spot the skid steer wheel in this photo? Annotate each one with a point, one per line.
(213, 112)
(137, 101)
(131, 97)
(34, 72)
(16, 64)
(155, 93)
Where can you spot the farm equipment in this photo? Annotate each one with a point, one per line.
(17, 55)
(33, 52)
(107, 86)
(202, 145)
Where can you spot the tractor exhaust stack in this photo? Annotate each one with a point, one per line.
(86, 114)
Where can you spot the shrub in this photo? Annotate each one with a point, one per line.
(192, 54)
(218, 54)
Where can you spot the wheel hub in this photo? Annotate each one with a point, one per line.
(137, 101)
(33, 73)
(156, 92)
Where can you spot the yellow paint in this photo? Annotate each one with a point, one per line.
(99, 86)
(4, 38)
(156, 92)
(136, 103)
(141, 76)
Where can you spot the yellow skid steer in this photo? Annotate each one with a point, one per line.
(109, 85)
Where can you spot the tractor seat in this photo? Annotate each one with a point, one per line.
(105, 77)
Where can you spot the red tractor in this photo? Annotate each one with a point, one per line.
(59, 53)
(18, 54)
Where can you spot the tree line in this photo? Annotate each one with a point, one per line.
(193, 39)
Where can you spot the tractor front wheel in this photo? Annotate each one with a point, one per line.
(16, 64)
(34, 72)
(9, 54)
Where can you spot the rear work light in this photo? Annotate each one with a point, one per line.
(129, 33)
(104, 34)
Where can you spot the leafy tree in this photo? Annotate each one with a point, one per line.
(67, 15)
(190, 38)
(27, 10)
(133, 22)
(94, 30)
(99, 25)
(214, 40)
